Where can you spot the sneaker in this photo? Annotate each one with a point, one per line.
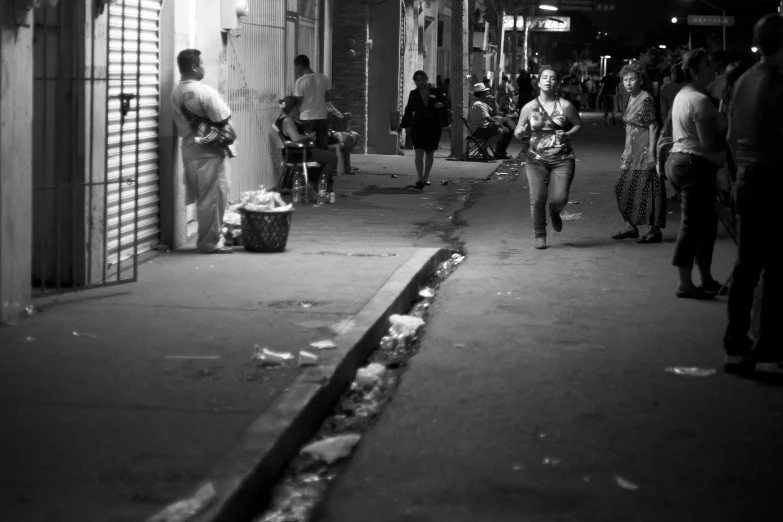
(541, 243)
(223, 250)
(557, 222)
(769, 368)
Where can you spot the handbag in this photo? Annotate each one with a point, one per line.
(210, 133)
(445, 113)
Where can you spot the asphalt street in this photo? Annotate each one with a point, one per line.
(541, 393)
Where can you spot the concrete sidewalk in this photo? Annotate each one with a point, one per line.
(121, 400)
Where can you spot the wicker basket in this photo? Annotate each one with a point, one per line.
(265, 231)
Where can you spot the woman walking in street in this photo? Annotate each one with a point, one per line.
(640, 192)
(699, 150)
(423, 121)
(552, 122)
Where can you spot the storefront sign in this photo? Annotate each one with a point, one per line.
(710, 20)
(549, 24)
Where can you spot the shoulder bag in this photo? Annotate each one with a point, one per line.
(210, 133)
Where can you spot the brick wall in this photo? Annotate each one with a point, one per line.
(350, 73)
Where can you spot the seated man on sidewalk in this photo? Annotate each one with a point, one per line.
(340, 133)
(483, 124)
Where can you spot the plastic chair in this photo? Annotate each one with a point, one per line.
(295, 158)
(477, 145)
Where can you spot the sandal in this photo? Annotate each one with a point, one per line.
(715, 287)
(650, 238)
(626, 234)
(698, 293)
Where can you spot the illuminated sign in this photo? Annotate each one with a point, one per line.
(710, 20)
(549, 24)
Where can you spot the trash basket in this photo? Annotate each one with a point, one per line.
(265, 231)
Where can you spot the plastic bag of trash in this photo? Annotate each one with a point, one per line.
(185, 509)
(405, 325)
(370, 375)
(427, 292)
(334, 448)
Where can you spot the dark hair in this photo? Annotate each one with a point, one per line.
(634, 68)
(731, 78)
(768, 34)
(187, 59)
(692, 61)
(302, 60)
(480, 94)
(545, 68)
(420, 73)
(289, 103)
(679, 75)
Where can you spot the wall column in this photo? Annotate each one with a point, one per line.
(16, 154)
(461, 44)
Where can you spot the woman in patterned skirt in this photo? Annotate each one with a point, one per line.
(641, 195)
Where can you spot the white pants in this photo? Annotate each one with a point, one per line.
(207, 180)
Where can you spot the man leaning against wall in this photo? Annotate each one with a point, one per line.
(206, 165)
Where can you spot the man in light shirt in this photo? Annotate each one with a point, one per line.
(314, 90)
(206, 166)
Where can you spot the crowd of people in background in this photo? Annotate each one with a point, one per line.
(706, 123)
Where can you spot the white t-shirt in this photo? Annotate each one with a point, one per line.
(477, 115)
(690, 106)
(312, 89)
(204, 101)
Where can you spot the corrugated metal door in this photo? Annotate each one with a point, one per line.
(132, 195)
(256, 80)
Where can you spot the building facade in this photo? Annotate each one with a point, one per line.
(90, 169)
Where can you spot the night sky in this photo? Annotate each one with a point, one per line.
(633, 19)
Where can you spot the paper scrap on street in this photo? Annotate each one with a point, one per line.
(323, 345)
(691, 371)
(565, 216)
(625, 484)
(192, 357)
(185, 509)
(307, 359)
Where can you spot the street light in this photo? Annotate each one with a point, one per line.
(754, 49)
(674, 19)
(662, 46)
(548, 7)
(723, 20)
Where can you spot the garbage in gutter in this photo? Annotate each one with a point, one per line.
(334, 448)
(370, 375)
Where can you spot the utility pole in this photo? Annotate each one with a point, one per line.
(514, 44)
(461, 34)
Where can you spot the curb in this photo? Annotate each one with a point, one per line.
(249, 471)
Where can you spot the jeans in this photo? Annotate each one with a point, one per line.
(539, 175)
(695, 177)
(328, 161)
(754, 200)
(321, 130)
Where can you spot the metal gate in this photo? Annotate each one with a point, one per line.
(133, 200)
(95, 120)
